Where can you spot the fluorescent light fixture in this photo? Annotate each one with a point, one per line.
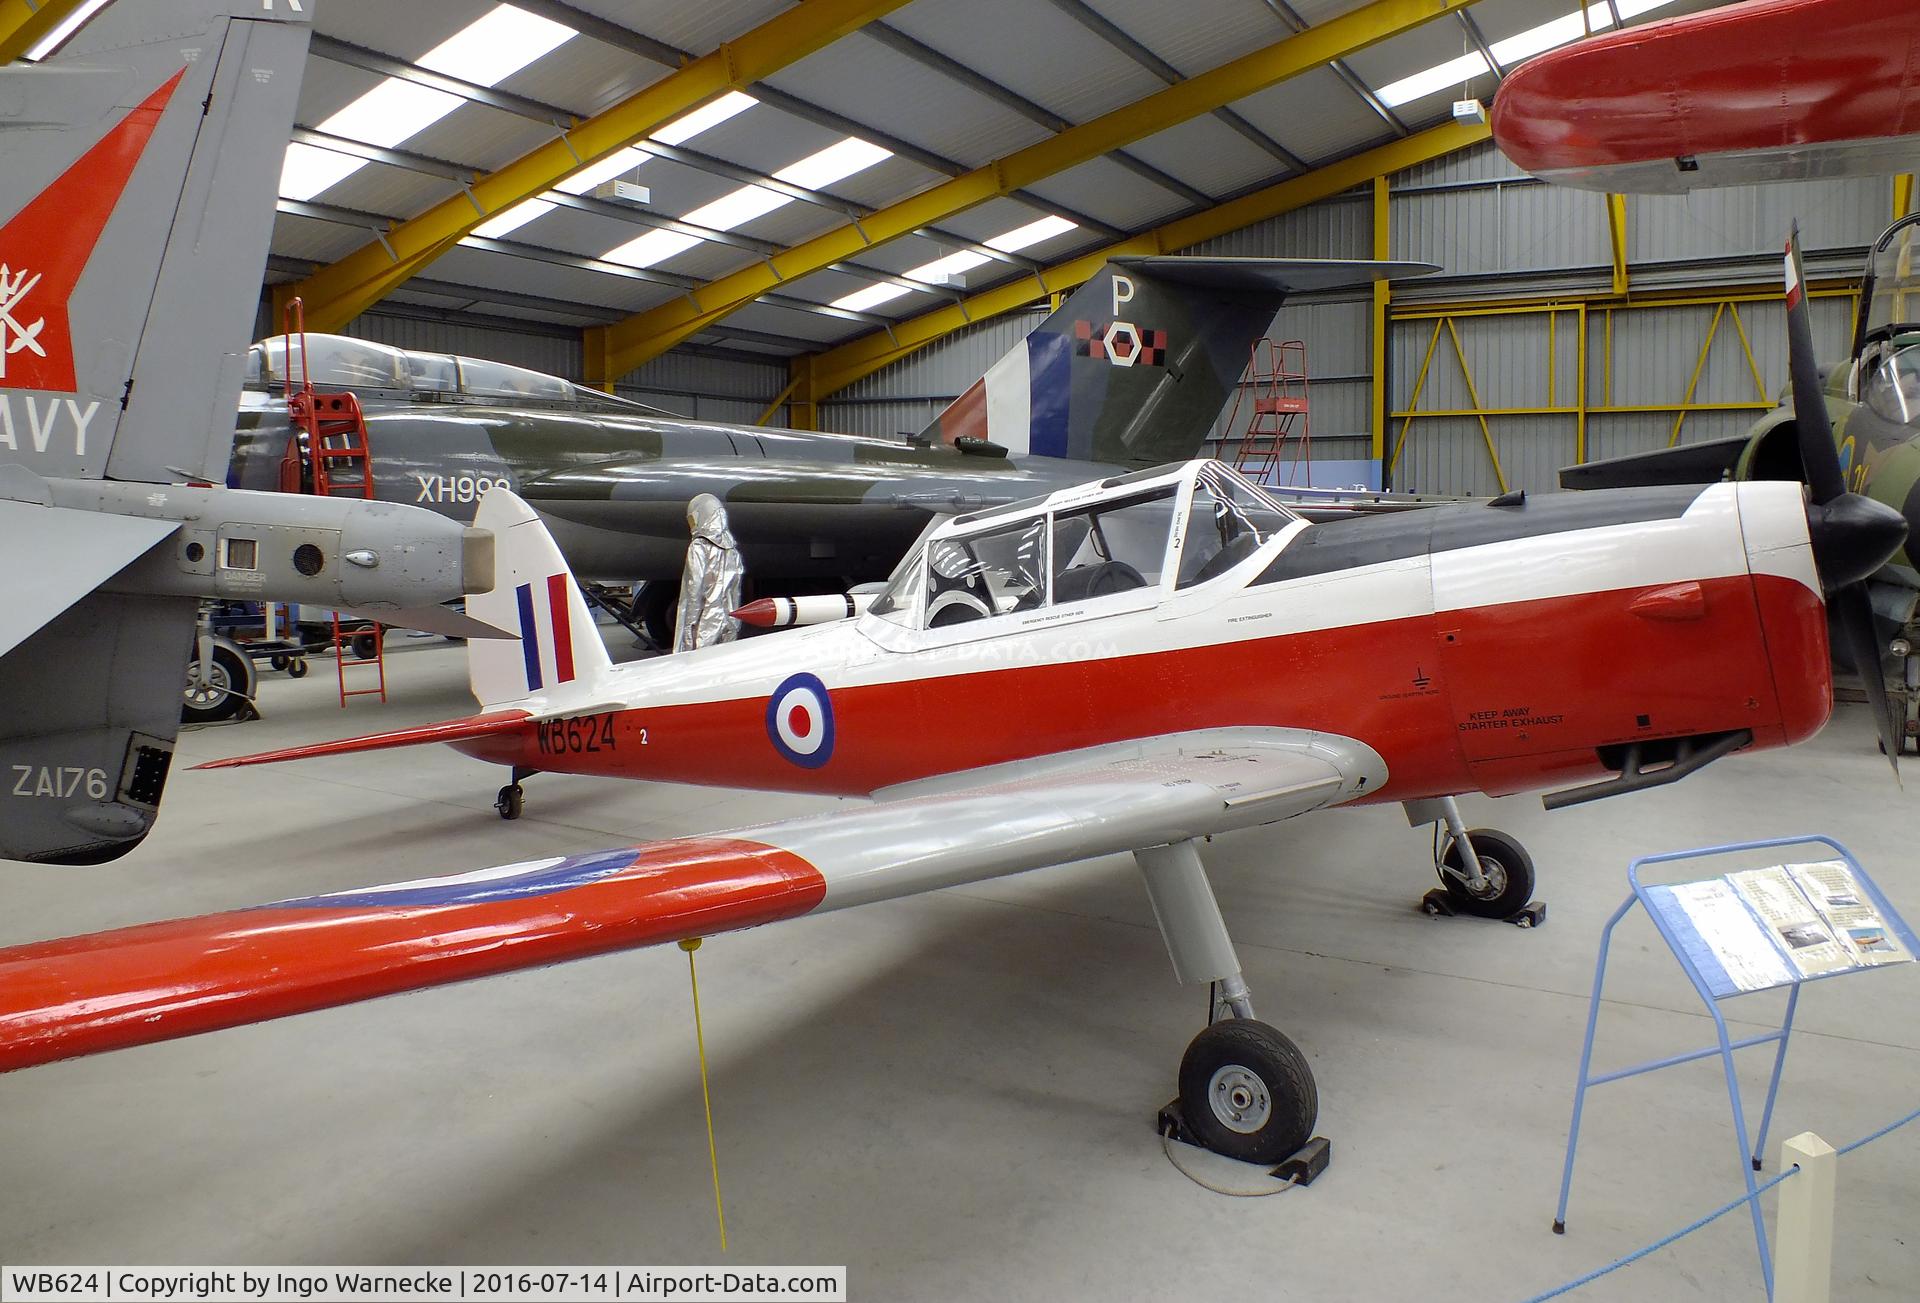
(834, 163)
(486, 51)
(615, 164)
(1021, 237)
(307, 170)
(54, 39)
(707, 116)
(942, 271)
(504, 224)
(737, 208)
(1535, 40)
(870, 297)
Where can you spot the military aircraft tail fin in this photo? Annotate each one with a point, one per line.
(1137, 364)
(91, 680)
(141, 162)
(559, 654)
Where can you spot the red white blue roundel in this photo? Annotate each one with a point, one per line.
(800, 721)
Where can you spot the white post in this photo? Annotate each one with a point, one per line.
(1803, 1235)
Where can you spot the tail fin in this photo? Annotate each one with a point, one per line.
(559, 653)
(1136, 366)
(154, 139)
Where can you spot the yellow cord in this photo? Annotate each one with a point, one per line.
(690, 945)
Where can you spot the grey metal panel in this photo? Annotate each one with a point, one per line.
(307, 237)
(687, 373)
(945, 368)
(1336, 228)
(1844, 213)
(481, 136)
(1195, 35)
(1107, 192)
(585, 76)
(1315, 115)
(406, 31)
(1034, 50)
(869, 82)
(1207, 153)
(1482, 162)
(395, 191)
(880, 420)
(697, 25)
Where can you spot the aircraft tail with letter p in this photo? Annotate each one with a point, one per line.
(1137, 364)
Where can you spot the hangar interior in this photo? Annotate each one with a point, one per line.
(866, 206)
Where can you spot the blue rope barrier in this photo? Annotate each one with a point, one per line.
(1713, 1216)
(1867, 1140)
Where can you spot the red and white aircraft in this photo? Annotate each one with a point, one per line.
(1767, 90)
(1130, 665)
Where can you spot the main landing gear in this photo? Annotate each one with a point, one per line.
(513, 798)
(1246, 1091)
(1483, 872)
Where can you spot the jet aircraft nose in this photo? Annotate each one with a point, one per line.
(1853, 536)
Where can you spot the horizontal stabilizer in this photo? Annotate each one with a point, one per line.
(1690, 463)
(58, 556)
(446, 730)
(85, 995)
(431, 619)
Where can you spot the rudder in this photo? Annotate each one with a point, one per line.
(559, 652)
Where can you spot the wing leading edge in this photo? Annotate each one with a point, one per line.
(110, 990)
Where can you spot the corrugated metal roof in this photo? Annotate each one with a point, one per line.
(1104, 190)
(1208, 154)
(480, 137)
(695, 25)
(585, 75)
(1195, 35)
(405, 31)
(377, 188)
(1033, 50)
(1315, 115)
(306, 237)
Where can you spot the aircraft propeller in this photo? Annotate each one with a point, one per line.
(1852, 535)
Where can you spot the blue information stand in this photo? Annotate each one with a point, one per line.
(1711, 978)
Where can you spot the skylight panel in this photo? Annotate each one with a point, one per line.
(497, 45)
(707, 116)
(870, 297)
(391, 112)
(1021, 237)
(72, 23)
(1535, 40)
(737, 208)
(654, 246)
(834, 163)
(942, 270)
(307, 170)
(504, 224)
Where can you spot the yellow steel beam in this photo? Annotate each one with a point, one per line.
(650, 333)
(839, 367)
(1617, 239)
(1902, 195)
(1382, 296)
(337, 293)
(25, 23)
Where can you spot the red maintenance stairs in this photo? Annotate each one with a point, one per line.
(1275, 391)
(327, 455)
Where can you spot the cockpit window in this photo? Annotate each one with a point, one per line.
(995, 572)
(1892, 386)
(482, 379)
(1226, 524)
(1112, 547)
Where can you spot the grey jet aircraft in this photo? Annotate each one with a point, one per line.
(1132, 370)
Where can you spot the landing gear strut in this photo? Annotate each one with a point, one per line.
(1483, 872)
(513, 798)
(1246, 1091)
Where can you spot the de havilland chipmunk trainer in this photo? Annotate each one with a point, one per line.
(1129, 665)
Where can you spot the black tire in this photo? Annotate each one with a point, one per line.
(511, 801)
(297, 668)
(1509, 870)
(366, 644)
(1246, 1091)
(230, 682)
(279, 661)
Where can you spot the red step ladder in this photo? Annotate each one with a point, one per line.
(1275, 390)
(327, 455)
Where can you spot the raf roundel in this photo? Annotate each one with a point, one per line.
(800, 721)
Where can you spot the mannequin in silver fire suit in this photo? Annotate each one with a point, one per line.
(710, 584)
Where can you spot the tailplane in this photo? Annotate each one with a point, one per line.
(1135, 367)
(559, 655)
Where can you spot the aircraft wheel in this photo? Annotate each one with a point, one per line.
(1246, 1091)
(366, 645)
(1508, 869)
(223, 691)
(511, 801)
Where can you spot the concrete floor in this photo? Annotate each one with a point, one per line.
(951, 1094)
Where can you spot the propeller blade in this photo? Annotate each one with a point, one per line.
(1817, 453)
(1852, 611)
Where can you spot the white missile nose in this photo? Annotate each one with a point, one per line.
(364, 558)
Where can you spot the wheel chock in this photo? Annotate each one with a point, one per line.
(1299, 1168)
(1531, 914)
(1437, 904)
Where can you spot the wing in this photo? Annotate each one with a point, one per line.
(83, 995)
